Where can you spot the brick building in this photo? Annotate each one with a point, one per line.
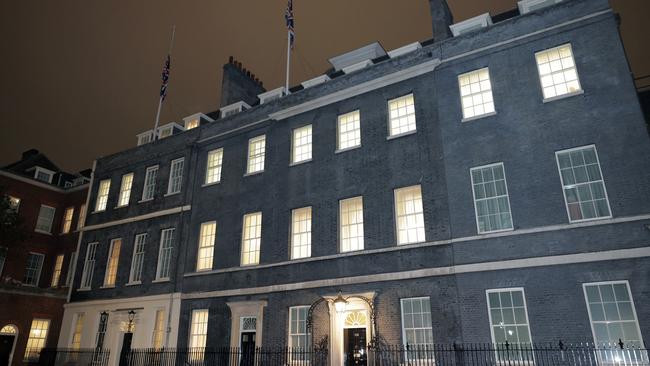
(36, 271)
(489, 185)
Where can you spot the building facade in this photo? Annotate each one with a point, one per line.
(36, 266)
(489, 185)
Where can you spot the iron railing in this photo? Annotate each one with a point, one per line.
(73, 357)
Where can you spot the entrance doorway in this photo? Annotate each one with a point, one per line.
(354, 341)
(8, 335)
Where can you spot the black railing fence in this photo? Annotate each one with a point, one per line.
(73, 357)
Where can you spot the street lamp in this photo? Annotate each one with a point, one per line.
(340, 303)
(131, 317)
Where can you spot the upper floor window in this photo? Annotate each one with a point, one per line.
(137, 262)
(207, 238)
(301, 233)
(409, 216)
(491, 202)
(256, 152)
(476, 94)
(102, 195)
(89, 266)
(193, 123)
(251, 238)
(37, 338)
(81, 221)
(113, 262)
(401, 115)
(175, 176)
(33, 269)
(44, 175)
(348, 131)
(301, 143)
(416, 326)
(582, 181)
(3, 257)
(125, 190)
(149, 188)
(351, 224)
(45, 219)
(557, 72)
(67, 220)
(213, 168)
(509, 322)
(165, 254)
(298, 332)
(70, 273)
(56, 272)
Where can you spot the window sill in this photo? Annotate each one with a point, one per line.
(210, 184)
(171, 194)
(106, 287)
(97, 211)
(160, 280)
(133, 283)
(254, 173)
(42, 232)
(116, 207)
(494, 231)
(83, 289)
(338, 151)
(469, 119)
(411, 243)
(147, 200)
(592, 219)
(392, 137)
(563, 96)
(300, 162)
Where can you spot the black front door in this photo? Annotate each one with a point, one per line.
(6, 345)
(247, 349)
(354, 340)
(126, 348)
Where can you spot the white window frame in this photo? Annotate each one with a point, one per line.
(481, 92)
(149, 186)
(109, 275)
(602, 178)
(474, 199)
(297, 235)
(245, 238)
(205, 251)
(250, 156)
(125, 190)
(492, 325)
(409, 131)
(194, 332)
(429, 328)
(101, 202)
(77, 330)
(38, 270)
(70, 273)
(342, 226)
(81, 220)
(58, 269)
(68, 214)
(299, 143)
(575, 68)
(50, 223)
(355, 122)
(29, 353)
(47, 172)
(137, 259)
(290, 335)
(213, 167)
(397, 216)
(175, 180)
(158, 333)
(162, 251)
(89, 266)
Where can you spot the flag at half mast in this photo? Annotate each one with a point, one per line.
(288, 16)
(165, 78)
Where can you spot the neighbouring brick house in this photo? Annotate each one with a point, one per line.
(36, 271)
(489, 185)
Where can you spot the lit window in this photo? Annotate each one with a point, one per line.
(301, 233)
(401, 117)
(213, 169)
(102, 195)
(75, 344)
(113, 262)
(89, 266)
(3, 257)
(198, 332)
(158, 330)
(349, 131)
(164, 132)
(491, 202)
(416, 327)
(192, 124)
(165, 254)
(45, 219)
(56, 273)
(36, 340)
(137, 262)
(67, 220)
(301, 144)
(409, 214)
(251, 239)
(150, 183)
(82, 217)
(298, 332)
(33, 269)
(175, 176)
(70, 273)
(476, 93)
(557, 71)
(206, 246)
(256, 152)
(125, 190)
(43, 175)
(582, 180)
(509, 323)
(351, 224)
(14, 203)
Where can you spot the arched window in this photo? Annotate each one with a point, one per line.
(9, 329)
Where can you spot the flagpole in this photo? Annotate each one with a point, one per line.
(286, 84)
(155, 126)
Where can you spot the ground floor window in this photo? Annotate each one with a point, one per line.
(416, 327)
(78, 328)
(298, 334)
(159, 329)
(198, 333)
(37, 338)
(509, 321)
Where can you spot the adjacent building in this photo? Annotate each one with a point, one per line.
(489, 185)
(36, 264)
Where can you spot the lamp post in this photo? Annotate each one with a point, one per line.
(131, 315)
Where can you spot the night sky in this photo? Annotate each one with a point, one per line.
(79, 79)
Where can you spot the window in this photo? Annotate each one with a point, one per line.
(102, 195)
(409, 215)
(82, 217)
(67, 220)
(113, 262)
(301, 143)
(401, 118)
(14, 203)
(509, 322)
(75, 344)
(137, 262)
(125, 190)
(256, 151)
(557, 72)
(193, 123)
(476, 93)
(37, 338)
(206, 246)
(199, 330)
(101, 331)
(149, 183)
(301, 233)
(33, 269)
(44, 175)
(349, 131)
(56, 273)
(416, 327)
(89, 266)
(165, 254)
(351, 224)
(213, 169)
(251, 239)
(298, 333)
(582, 182)
(71, 262)
(164, 132)
(158, 330)
(175, 176)
(491, 202)
(145, 138)
(45, 219)
(3, 257)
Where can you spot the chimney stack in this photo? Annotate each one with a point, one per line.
(441, 19)
(239, 84)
